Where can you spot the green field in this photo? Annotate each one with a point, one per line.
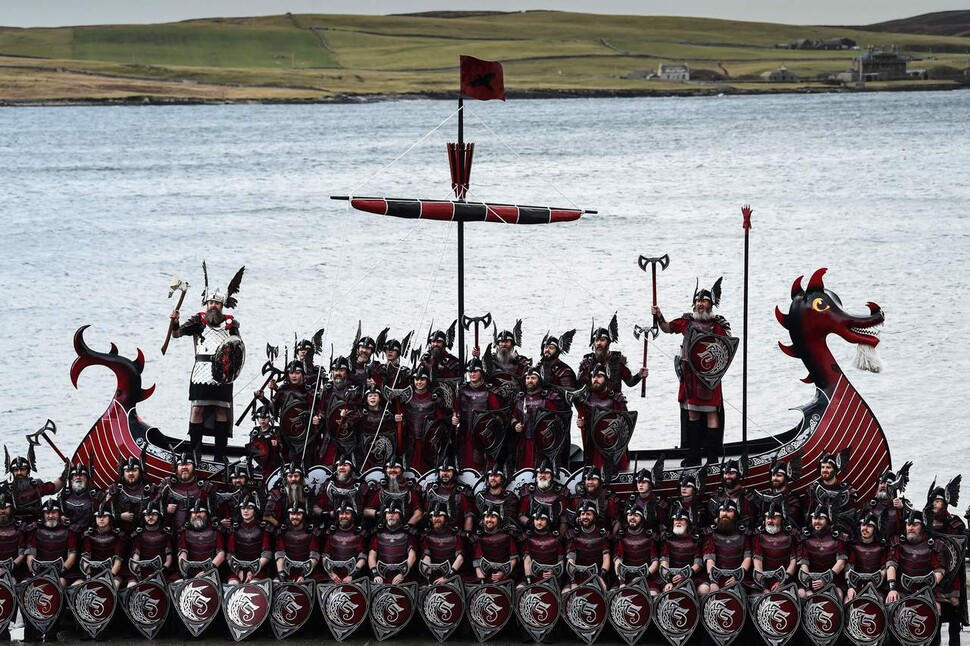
(320, 57)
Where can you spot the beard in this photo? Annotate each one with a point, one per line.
(725, 526)
(345, 524)
(912, 537)
(436, 351)
(679, 531)
(339, 382)
(392, 524)
(702, 315)
(393, 485)
(882, 496)
(185, 476)
(343, 477)
(79, 487)
(51, 524)
(197, 523)
(601, 354)
(503, 355)
(598, 387)
(544, 485)
(294, 493)
(772, 529)
(214, 318)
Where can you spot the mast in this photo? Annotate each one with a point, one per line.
(460, 192)
(746, 212)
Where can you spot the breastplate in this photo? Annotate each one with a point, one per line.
(206, 344)
(102, 546)
(200, 543)
(776, 550)
(545, 547)
(248, 541)
(441, 546)
(590, 546)
(728, 550)
(868, 557)
(495, 546)
(637, 548)
(681, 550)
(344, 545)
(822, 552)
(152, 543)
(392, 546)
(297, 543)
(51, 543)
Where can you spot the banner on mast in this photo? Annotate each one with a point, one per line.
(482, 80)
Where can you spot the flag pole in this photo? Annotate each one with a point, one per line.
(746, 212)
(460, 193)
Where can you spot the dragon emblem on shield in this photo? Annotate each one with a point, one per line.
(625, 612)
(437, 608)
(286, 608)
(193, 603)
(341, 608)
(242, 607)
(484, 610)
(533, 609)
(90, 605)
(819, 621)
(908, 620)
(860, 624)
(581, 611)
(38, 603)
(673, 615)
(717, 613)
(144, 608)
(386, 609)
(772, 618)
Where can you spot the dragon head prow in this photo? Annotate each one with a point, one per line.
(814, 313)
(127, 371)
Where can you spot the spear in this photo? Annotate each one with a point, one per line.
(746, 211)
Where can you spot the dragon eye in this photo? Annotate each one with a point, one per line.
(819, 305)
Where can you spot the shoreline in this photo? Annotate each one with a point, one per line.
(343, 99)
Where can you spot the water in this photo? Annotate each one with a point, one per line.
(102, 205)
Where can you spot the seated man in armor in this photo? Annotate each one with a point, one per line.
(249, 543)
(635, 552)
(178, 492)
(442, 547)
(915, 562)
(543, 549)
(227, 503)
(774, 549)
(200, 543)
(680, 550)
(392, 550)
(868, 556)
(822, 553)
(545, 494)
(588, 554)
(731, 489)
(830, 491)
(151, 541)
(646, 500)
(727, 551)
(452, 495)
(689, 498)
(130, 495)
(104, 547)
(51, 539)
(12, 557)
(496, 552)
(343, 557)
(291, 489)
(394, 487)
(297, 548)
(953, 600)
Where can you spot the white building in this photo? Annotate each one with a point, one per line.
(673, 72)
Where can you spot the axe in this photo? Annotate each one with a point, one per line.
(654, 330)
(399, 396)
(271, 371)
(639, 331)
(484, 321)
(177, 285)
(32, 438)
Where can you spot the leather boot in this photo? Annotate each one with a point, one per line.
(695, 435)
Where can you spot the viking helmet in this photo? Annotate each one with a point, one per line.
(610, 333)
(562, 343)
(870, 519)
(679, 512)
(52, 504)
(153, 507)
(104, 509)
(248, 502)
(822, 511)
(240, 470)
(546, 467)
(447, 462)
(593, 473)
(420, 372)
(393, 460)
(916, 516)
(304, 344)
(634, 510)
(541, 511)
(645, 475)
(728, 504)
(227, 298)
(587, 505)
(293, 467)
(6, 499)
(600, 369)
(346, 506)
(199, 507)
(731, 466)
(393, 507)
(474, 364)
(79, 469)
(776, 508)
(439, 509)
(346, 458)
(688, 479)
(713, 294)
(496, 470)
(392, 344)
(340, 363)
(297, 507)
(296, 366)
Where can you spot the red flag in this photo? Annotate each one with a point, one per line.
(482, 80)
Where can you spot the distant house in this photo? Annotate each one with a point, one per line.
(880, 65)
(673, 72)
(780, 75)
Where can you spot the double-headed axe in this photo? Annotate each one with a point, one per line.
(32, 438)
(271, 372)
(177, 285)
(400, 396)
(484, 321)
(654, 330)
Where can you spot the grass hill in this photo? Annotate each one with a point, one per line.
(940, 23)
(327, 57)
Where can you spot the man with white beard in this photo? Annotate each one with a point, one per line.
(290, 489)
(79, 499)
(704, 406)
(198, 542)
(506, 357)
(680, 548)
(547, 495)
(211, 401)
(342, 488)
(178, 492)
(774, 549)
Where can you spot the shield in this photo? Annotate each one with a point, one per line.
(913, 620)
(776, 614)
(630, 611)
(197, 601)
(709, 355)
(8, 598)
(537, 607)
(93, 603)
(442, 606)
(723, 614)
(228, 360)
(245, 607)
(550, 431)
(489, 608)
(610, 432)
(291, 607)
(41, 600)
(342, 432)
(391, 608)
(488, 430)
(865, 618)
(294, 420)
(344, 606)
(437, 437)
(585, 612)
(822, 616)
(146, 605)
(676, 613)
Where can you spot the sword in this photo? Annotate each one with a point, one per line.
(654, 330)
(268, 369)
(42, 432)
(179, 285)
(484, 321)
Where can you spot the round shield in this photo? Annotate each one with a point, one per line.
(290, 608)
(676, 614)
(391, 609)
(537, 607)
(822, 617)
(246, 606)
(776, 616)
(865, 621)
(294, 420)
(344, 607)
(611, 432)
(93, 602)
(630, 610)
(584, 610)
(914, 620)
(228, 360)
(442, 607)
(487, 432)
(41, 600)
(724, 613)
(709, 356)
(489, 607)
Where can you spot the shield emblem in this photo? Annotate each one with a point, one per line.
(537, 607)
(41, 600)
(489, 608)
(342, 432)
(488, 430)
(245, 607)
(294, 419)
(584, 611)
(550, 432)
(442, 606)
(913, 620)
(822, 616)
(630, 611)
(676, 613)
(146, 605)
(197, 601)
(610, 431)
(344, 606)
(776, 614)
(391, 608)
(93, 603)
(865, 618)
(291, 606)
(724, 613)
(228, 360)
(709, 355)
(437, 435)
(8, 599)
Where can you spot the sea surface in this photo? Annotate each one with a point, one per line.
(102, 205)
